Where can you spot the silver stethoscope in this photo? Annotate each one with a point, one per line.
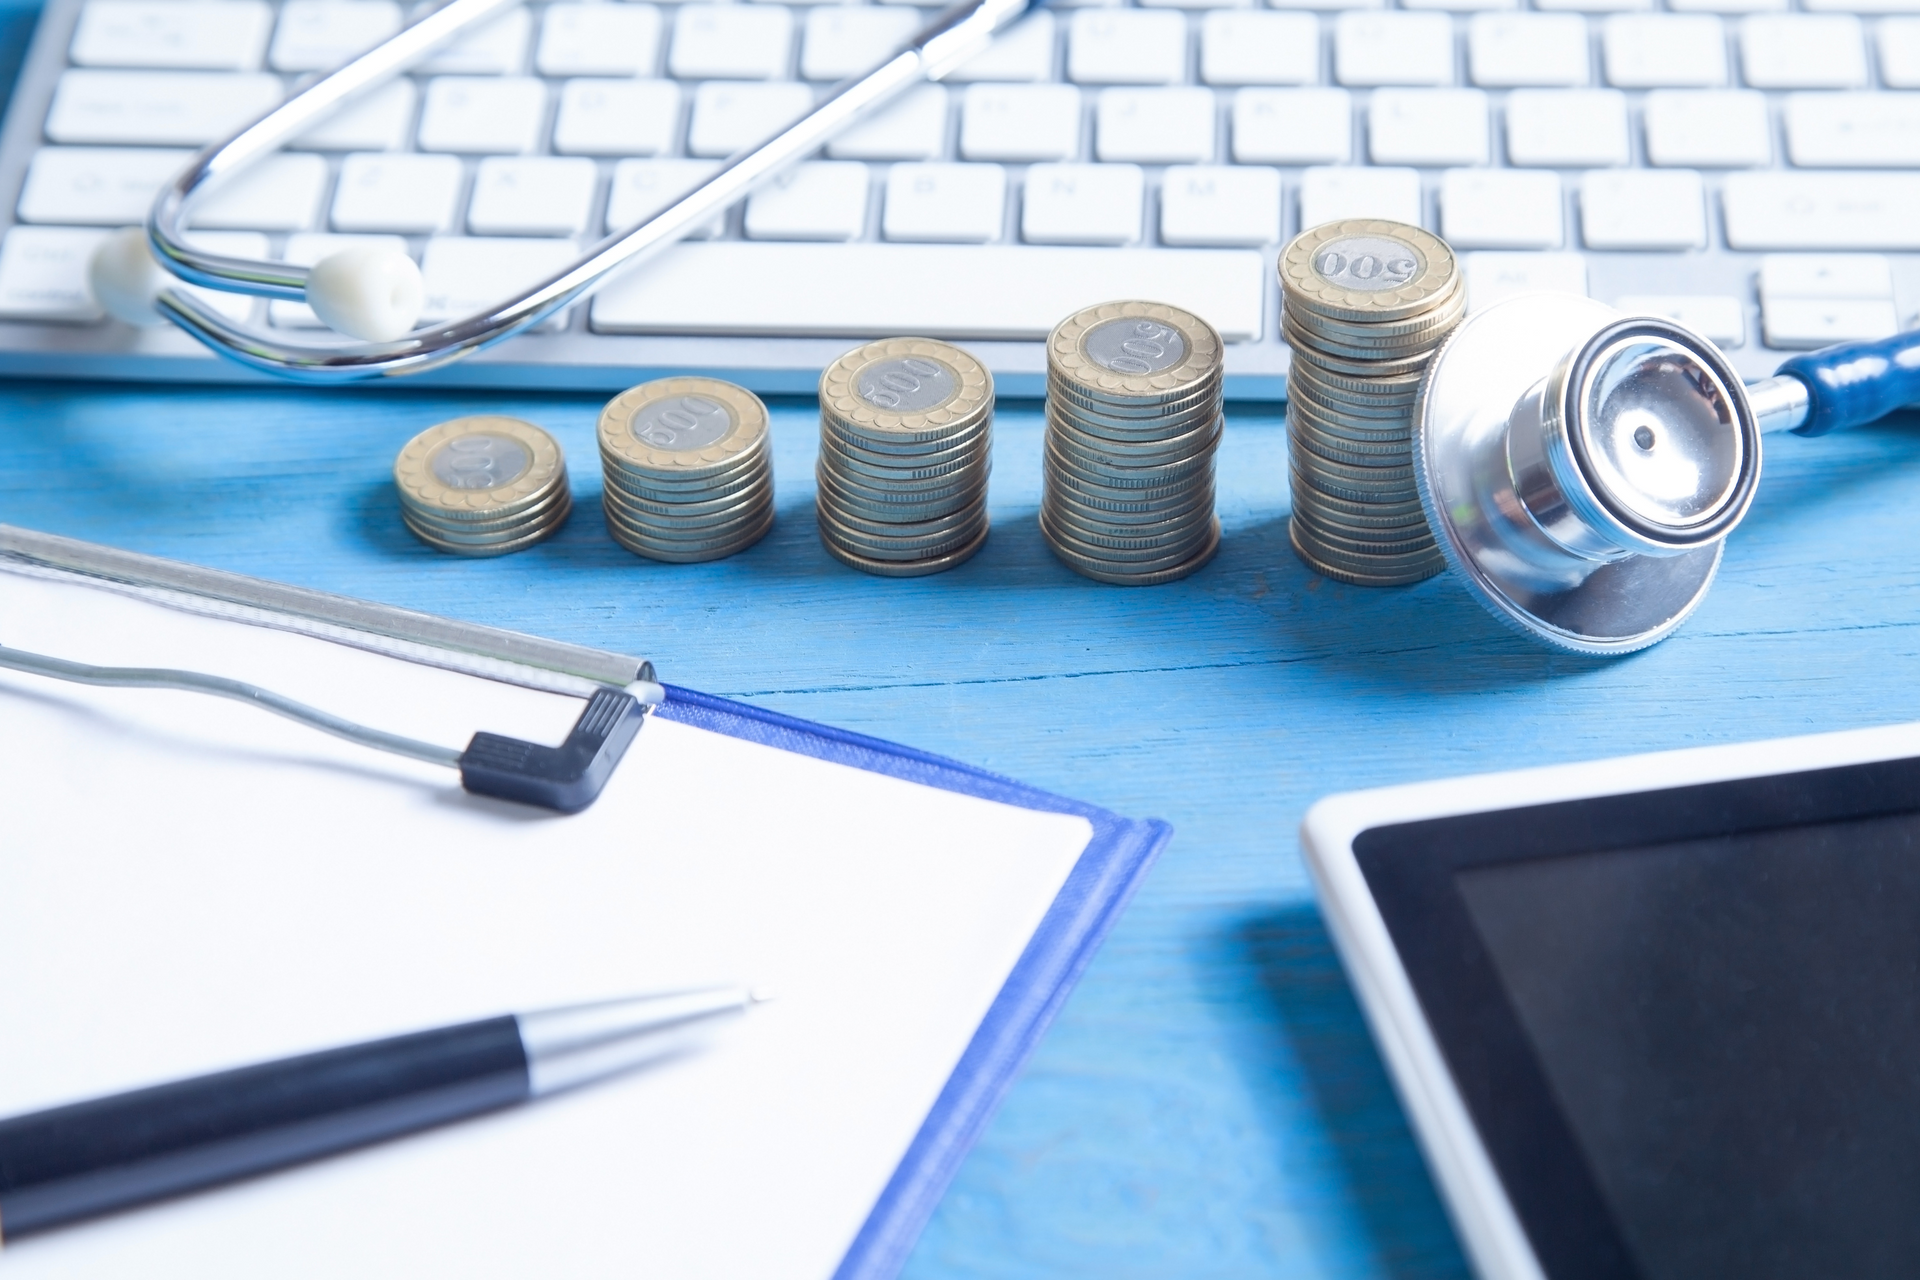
(375, 295)
(1588, 507)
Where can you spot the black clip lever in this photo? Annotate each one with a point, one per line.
(568, 777)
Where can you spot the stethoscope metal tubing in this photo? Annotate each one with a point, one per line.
(946, 42)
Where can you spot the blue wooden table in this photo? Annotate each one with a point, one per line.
(1209, 1103)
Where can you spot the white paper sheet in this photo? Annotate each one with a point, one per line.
(188, 884)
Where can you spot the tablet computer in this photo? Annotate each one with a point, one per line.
(1653, 1017)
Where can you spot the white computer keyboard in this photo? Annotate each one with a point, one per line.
(1743, 165)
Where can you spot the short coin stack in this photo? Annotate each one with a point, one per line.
(688, 473)
(1133, 420)
(482, 486)
(1365, 304)
(906, 433)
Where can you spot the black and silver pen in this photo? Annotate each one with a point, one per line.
(90, 1158)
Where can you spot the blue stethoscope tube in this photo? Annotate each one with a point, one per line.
(1856, 382)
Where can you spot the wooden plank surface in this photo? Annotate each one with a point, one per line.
(1209, 1104)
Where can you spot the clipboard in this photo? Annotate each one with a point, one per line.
(1114, 852)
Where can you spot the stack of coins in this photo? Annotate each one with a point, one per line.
(483, 486)
(688, 471)
(1133, 420)
(906, 432)
(1366, 303)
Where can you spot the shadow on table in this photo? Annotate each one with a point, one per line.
(1299, 975)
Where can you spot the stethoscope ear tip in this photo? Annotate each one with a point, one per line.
(124, 278)
(372, 292)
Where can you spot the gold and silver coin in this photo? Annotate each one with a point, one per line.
(688, 469)
(1365, 304)
(1133, 421)
(906, 436)
(482, 486)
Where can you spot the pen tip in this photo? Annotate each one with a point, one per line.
(760, 995)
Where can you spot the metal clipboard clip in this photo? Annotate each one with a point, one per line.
(620, 690)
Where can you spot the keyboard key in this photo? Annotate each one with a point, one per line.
(1861, 6)
(1854, 130)
(467, 274)
(846, 40)
(599, 40)
(1393, 48)
(1190, 4)
(1428, 127)
(962, 203)
(1728, 6)
(1778, 210)
(410, 193)
(499, 48)
(1826, 275)
(531, 196)
(319, 35)
(997, 291)
(43, 274)
(1643, 209)
(1500, 209)
(1716, 317)
(1126, 46)
(731, 41)
(727, 117)
(214, 35)
(306, 249)
(1327, 4)
(914, 127)
(1292, 126)
(1809, 300)
(1803, 51)
(1665, 50)
(485, 114)
(1460, 6)
(616, 117)
(1567, 128)
(1715, 128)
(1023, 52)
(278, 193)
(1806, 324)
(1593, 6)
(1020, 122)
(642, 188)
(1495, 277)
(822, 200)
(1249, 47)
(1220, 205)
(1900, 53)
(1082, 204)
(95, 186)
(182, 108)
(1330, 194)
(1505, 50)
(1165, 126)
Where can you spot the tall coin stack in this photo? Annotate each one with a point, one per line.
(1133, 420)
(482, 486)
(688, 471)
(1365, 304)
(906, 432)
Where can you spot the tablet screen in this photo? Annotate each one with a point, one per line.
(1730, 1027)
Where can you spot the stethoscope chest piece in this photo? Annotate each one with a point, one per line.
(1586, 507)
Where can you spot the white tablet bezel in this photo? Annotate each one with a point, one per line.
(1482, 1213)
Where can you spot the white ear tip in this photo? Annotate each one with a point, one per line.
(370, 292)
(125, 279)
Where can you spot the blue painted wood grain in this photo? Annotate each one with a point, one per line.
(1209, 1104)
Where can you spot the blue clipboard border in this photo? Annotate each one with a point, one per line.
(1096, 891)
